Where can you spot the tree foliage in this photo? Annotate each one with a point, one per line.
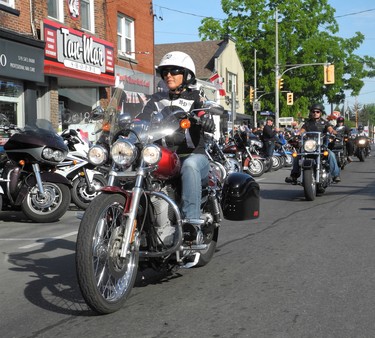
(307, 33)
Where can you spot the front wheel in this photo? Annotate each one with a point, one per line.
(361, 154)
(82, 194)
(47, 207)
(254, 167)
(309, 184)
(105, 278)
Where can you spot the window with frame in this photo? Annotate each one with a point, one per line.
(56, 9)
(9, 3)
(125, 36)
(231, 80)
(87, 15)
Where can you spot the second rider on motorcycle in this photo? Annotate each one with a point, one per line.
(177, 69)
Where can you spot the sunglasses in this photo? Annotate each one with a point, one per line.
(317, 112)
(172, 71)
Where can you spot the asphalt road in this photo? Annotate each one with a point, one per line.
(303, 269)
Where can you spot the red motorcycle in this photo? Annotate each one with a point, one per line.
(136, 221)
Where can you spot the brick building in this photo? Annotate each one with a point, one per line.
(59, 58)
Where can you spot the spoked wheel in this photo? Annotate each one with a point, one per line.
(82, 195)
(276, 163)
(288, 160)
(232, 166)
(47, 207)
(105, 278)
(309, 184)
(255, 167)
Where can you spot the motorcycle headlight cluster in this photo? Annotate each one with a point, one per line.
(123, 152)
(310, 146)
(362, 141)
(97, 155)
(151, 154)
(53, 155)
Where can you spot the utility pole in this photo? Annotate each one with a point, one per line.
(255, 88)
(277, 114)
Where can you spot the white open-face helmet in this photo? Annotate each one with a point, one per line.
(181, 60)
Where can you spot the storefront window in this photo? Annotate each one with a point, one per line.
(11, 99)
(76, 105)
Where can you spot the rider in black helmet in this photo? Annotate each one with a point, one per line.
(316, 123)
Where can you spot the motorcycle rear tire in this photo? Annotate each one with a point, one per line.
(206, 255)
(105, 279)
(50, 208)
(81, 197)
(309, 184)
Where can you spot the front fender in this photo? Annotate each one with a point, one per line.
(30, 181)
(307, 163)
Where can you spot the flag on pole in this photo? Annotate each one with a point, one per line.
(217, 81)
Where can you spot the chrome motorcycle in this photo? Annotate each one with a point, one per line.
(136, 221)
(313, 160)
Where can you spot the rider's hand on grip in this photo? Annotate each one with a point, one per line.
(208, 125)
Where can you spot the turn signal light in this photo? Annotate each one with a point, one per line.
(325, 153)
(21, 163)
(185, 124)
(294, 154)
(106, 127)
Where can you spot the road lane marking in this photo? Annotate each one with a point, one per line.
(39, 241)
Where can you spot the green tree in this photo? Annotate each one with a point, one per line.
(307, 34)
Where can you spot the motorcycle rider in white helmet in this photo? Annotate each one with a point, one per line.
(177, 70)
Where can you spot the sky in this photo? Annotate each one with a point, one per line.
(179, 22)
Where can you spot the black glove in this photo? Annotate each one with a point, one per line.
(208, 125)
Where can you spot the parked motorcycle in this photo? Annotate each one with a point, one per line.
(226, 164)
(86, 180)
(252, 163)
(315, 171)
(28, 176)
(138, 222)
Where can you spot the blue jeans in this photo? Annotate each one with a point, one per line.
(194, 171)
(333, 166)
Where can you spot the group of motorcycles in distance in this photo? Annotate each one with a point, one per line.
(243, 153)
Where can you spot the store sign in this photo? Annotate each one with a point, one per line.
(135, 81)
(79, 52)
(20, 61)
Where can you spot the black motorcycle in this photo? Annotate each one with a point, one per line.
(337, 143)
(361, 147)
(315, 169)
(27, 175)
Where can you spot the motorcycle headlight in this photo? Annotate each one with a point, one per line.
(310, 145)
(53, 154)
(97, 155)
(362, 141)
(151, 154)
(123, 152)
